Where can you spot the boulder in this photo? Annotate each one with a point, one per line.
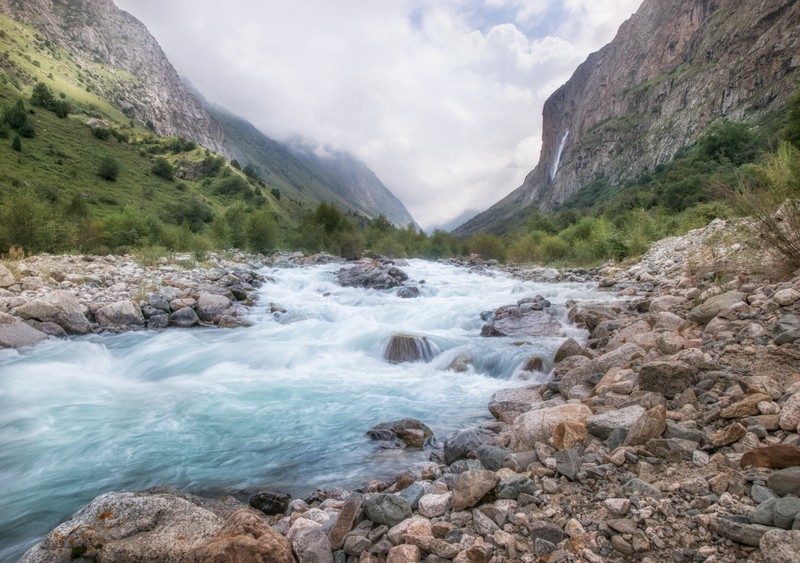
(6, 277)
(471, 486)
(459, 444)
(786, 329)
(433, 505)
(507, 404)
(60, 307)
(16, 334)
(601, 425)
(121, 314)
(524, 320)
(714, 306)
(408, 348)
(134, 527)
(790, 413)
(385, 508)
(371, 275)
(349, 514)
(211, 308)
(270, 503)
(570, 347)
(184, 317)
(780, 546)
(569, 434)
(669, 378)
(773, 457)
(538, 426)
(408, 431)
(650, 425)
(246, 537)
(578, 370)
(311, 545)
(785, 481)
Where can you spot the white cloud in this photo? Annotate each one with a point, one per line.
(442, 100)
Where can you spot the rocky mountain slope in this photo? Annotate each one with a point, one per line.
(355, 182)
(672, 69)
(148, 88)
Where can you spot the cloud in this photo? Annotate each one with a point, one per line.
(442, 100)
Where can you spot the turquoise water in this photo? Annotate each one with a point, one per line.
(285, 403)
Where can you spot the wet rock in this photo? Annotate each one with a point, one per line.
(408, 431)
(570, 347)
(459, 444)
(119, 315)
(16, 334)
(184, 317)
(229, 321)
(507, 404)
(538, 426)
(408, 292)
(471, 486)
(408, 348)
(157, 322)
(524, 320)
(785, 481)
(371, 275)
(270, 503)
(246, 538)
(384, 508)
(60, 307)
(135, 527)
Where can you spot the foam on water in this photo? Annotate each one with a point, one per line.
(284, 403)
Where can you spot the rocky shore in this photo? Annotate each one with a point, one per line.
(671, 435)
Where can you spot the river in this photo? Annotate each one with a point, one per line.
(283, 404)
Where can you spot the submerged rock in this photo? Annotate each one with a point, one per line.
(408, 348)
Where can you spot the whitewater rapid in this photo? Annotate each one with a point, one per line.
(283, 404)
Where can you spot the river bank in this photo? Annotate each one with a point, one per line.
(671, 434)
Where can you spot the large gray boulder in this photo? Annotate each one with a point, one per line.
(60, 307)
(669, 378)
(16, 334)
(408, 348)
(121, 314)
(130, 527)
(603, 424)
(528, 319)
(211, 308)
(508, 404)
(714, 306)
(537, 426)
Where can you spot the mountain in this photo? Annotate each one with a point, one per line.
(351, 179)
(137, 78)
(673, 68)
(299, 172)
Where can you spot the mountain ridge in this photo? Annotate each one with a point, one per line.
(672, 69)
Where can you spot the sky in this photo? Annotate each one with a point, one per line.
(441, 99)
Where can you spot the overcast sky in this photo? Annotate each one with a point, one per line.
(442, 99)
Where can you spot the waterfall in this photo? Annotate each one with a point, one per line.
(557, 159)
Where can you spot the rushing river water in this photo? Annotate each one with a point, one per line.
(284, 404)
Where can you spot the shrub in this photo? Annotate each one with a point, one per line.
(27, 222)
(109, 169)
(62, 109)
(250, 172)
(261, 231)
(27, 130)
(16, 143)
(42, 96)
(15, 115)
(487, 245)
(276, 193)
(101, 133)
(553, 248)
(162, 168)
(732, 141)
(130, 228)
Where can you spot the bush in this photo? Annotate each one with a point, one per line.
(732, 141)
(15, 115)
(42, 96)
(487, 246)
(553, 248)
(16, 143)
(261, 231)
(109, 169)
(101, 133)
(28, 222)
(27, 130)
(163, 169)
(62, 109)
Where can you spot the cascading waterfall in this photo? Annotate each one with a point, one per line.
(557, 159)
(283, 404)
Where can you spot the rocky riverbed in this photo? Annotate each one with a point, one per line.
(672, 435)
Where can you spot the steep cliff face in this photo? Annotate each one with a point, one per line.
(96, 30)
(673, 68)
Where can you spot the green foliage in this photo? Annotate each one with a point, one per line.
(276, 193)
(235, 164)
(488, 246)
(28, 222)
(16, 143)
(163, 169)
(261, 231)
(28, 131)
(101, 133)
(792, 131)
(730, 141)
(15, 115)
(109, 169)
(42, 96)
(250, 172)
(329, 217)
(130, 228)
